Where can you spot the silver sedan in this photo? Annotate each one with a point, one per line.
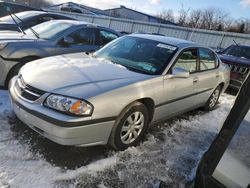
(112, 96)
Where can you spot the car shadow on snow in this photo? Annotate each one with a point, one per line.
(65, 157)
(70, 157)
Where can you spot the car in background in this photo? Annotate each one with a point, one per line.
(227, 162)
(14, 8)
(112, 96)
(49, 39)
(238, 59)
(27, 19)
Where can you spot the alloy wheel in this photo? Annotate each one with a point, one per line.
(132, 127)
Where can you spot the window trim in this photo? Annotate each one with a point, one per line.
(216, 57)
(169, 71)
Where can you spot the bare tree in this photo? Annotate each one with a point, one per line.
(195, 18)
(242, 25)
(183, 16)
(167, 15)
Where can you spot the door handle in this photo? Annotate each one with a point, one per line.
(217, 75)
(196, 80)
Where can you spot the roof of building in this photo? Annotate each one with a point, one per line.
(90, 9)
(142, 13)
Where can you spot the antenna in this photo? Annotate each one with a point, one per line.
(235, 43)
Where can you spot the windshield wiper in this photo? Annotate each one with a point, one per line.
(10, 14)
(137, 70)
(32, 30)
(16, 23)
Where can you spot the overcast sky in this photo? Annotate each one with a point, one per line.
(236, 8)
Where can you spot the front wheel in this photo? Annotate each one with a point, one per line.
(213, 99)
(130, 127)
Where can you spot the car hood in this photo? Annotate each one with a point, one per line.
(14, 36)
(78, 75)
(8, 26)
(235, 60)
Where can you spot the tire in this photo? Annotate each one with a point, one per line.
(14, 71)
(213, 99)
(130, 127)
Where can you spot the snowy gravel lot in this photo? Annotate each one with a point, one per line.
(170, 152)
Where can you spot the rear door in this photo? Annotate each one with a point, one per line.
(208, 76)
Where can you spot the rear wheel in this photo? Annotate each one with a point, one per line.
(213, 99)
(130, 127)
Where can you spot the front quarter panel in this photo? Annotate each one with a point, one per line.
(112, 103)
(19, 50)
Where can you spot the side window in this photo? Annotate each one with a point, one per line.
(187, 61)
(43, 19)
(84, 36)
(47, 18)
(106, 37)
(208, 59)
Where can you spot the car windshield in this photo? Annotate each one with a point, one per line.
(22, 15)
(138, 54)
(238, 51)
(49, 30)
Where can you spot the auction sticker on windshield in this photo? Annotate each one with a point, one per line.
(160, 45)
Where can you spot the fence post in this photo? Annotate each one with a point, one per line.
(110, 21)
(159, 28)
(222, 40)
(132, 28)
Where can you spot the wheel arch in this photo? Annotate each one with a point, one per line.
(21, 62)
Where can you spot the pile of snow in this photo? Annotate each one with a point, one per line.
(170, 152)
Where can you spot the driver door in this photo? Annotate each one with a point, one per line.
(81, 40)
(180, 91)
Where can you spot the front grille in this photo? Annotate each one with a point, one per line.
(240, 70)
(238, 73)
(28, 92)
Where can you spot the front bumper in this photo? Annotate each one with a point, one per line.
(86, 133)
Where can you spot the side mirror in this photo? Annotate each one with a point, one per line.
(178, 72)
(68, 40)
(218, 51)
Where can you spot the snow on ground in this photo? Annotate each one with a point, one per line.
(170, 152)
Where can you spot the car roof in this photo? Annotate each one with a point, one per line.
(180, 43)
(33, 12)
(74, 22)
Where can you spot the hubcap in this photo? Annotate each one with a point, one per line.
(132, 127)
(214, 99)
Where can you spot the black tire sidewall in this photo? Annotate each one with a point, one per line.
(121, 120)
(207, 106)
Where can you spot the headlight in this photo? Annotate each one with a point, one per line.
(3, 45)
(69, 105)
